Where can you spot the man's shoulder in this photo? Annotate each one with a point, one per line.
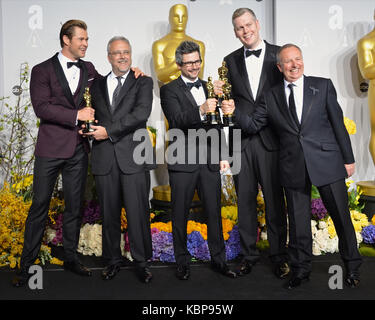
(170, 85)
(46, 63)
(233, 54)
(272, 47)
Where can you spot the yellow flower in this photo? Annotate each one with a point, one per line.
(331, 228)
(56, 261)
(350, 125)
(373, 219)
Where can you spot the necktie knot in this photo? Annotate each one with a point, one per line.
(196, 84)
(256, 53)
(71, 64)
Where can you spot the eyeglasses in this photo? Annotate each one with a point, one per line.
(191, 63)
(119, 53)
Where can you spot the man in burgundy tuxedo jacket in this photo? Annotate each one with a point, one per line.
(56, 88)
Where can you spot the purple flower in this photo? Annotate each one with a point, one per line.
(162, 246)
(368, 234)
(91, 212)
(318, 209)
(232, 245)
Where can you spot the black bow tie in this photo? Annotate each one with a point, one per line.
(254, 52)
(196, 84)
(71, 64)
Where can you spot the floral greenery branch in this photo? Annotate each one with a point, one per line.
(17, 138)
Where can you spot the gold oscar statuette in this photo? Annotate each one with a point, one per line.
(213, 117)
(227, 94)
(87, 97)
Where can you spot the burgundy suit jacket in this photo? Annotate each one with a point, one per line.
(57, 108)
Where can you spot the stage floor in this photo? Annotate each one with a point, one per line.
(204, 284)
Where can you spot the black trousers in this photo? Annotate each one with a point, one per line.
(259, 166)
(116, 190)
(183, 185)
(46, 170)
(335, 199)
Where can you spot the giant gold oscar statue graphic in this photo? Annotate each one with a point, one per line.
(163, 50)
(366, 63)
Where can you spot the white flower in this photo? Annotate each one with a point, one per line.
(322, 224)
(90, 240)
(50, 234)
(263, 235)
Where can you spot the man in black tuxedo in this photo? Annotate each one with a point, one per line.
(315, 149)
(122, 105)
(184, 103)
(56, 89)
(252, 72)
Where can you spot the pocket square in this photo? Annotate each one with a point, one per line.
(91, 79)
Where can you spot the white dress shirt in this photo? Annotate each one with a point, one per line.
(198, 94)
(254, 67)
(112, 83)
(72, 74)
(298, 95)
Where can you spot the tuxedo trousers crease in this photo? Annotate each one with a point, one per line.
(117, 190)
(260, 167)
(335, 199)
(183, 185)
(300, 236)
(209, 190)
(46, 171)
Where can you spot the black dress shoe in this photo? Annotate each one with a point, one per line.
(22, 278)
(110, 271)
(282, 270)
(144, 274)
(296, 280)
(183, 272)
(224, 269)
(77, 268)
(244, 268)
(352, 279)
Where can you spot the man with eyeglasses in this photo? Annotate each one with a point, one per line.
(122, 105)
(184, 103)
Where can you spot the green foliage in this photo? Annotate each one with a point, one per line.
(17, 131)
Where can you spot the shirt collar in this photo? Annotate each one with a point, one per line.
(298, 83)
(63, 60)
(112, 76)
(186, 80)
(261, 45)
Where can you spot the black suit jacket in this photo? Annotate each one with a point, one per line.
(133, 108)
(242, 94)
(182, 113)
(321, 143)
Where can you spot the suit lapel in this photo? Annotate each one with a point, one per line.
(269, 58)
(241, 67)
(104, 92)
(129, 82)
(309, 93)
(82, 82)
(62, 79)
(186, 92)
(280, 97)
